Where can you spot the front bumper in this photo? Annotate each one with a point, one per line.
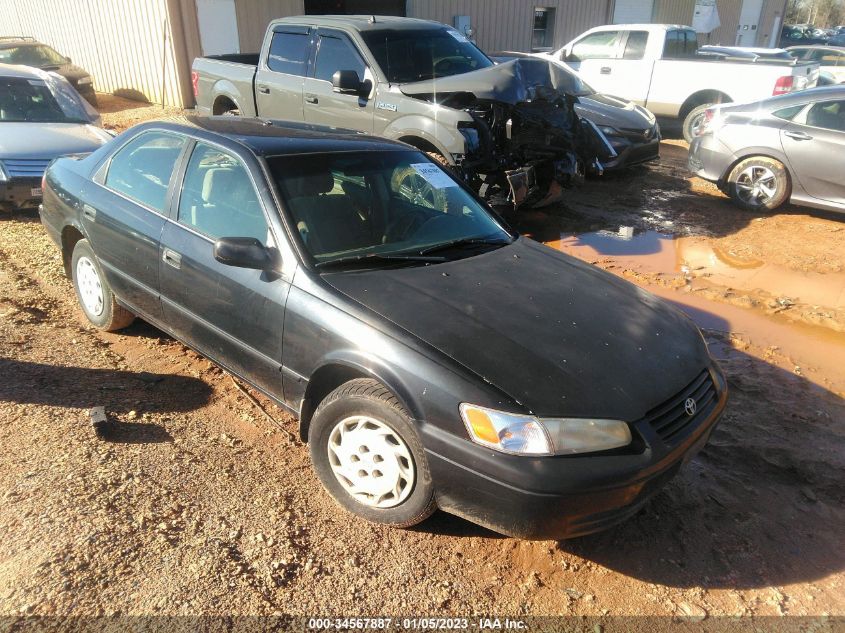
(88, 93)
(709, 158)
(563, 496)
(633, 153)
(20, 193)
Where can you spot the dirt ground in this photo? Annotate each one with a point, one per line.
(195, 502)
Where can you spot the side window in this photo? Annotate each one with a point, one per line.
(336, 53)
(142, 168)
(288, 53)
(218, 198)
(829, 115)
(789, 113)
(635, 46)
(601, 45)
(680, 44)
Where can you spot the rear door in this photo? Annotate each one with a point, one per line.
(281, 73)
(233, 315)
(814, 143)
(124, 213)
(335, 51)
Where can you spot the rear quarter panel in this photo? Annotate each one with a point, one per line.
(219, 78)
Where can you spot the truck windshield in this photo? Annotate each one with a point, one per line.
(50, 100)
(382, 207)
(415, 55)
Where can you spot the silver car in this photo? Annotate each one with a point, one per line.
(41, 117)
(790, 147)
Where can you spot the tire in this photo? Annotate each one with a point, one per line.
(693, 120)
(759, 184)
(93, 292)
(368, 413)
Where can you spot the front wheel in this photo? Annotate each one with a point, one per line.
(95, 296)
(369, 457)
(759, 184)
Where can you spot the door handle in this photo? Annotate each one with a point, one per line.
(605, 70)
(89, 212)
(798, 136)
(172, 258)
(264, 90)
(311, 99)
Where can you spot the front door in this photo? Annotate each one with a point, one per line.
(335, 51)
(281, 73)
(232, 315)
(749, 22)
(594, 57)
(814, 143)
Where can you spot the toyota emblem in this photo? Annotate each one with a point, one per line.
(690, 406)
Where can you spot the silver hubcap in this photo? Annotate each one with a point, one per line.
(756, 185)
(371, 462)
(90, 289)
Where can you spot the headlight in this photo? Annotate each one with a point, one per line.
(610, 131)
(529, 435)
(4, 175)
(84, 81)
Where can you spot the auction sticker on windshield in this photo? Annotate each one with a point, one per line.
(433, 175)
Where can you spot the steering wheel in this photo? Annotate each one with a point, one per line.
(443, 66)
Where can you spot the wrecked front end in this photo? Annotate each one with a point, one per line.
(525, 143)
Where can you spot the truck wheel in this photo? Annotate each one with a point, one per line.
(94, 293)
(759, 183)
(369, 457)
(693, 121)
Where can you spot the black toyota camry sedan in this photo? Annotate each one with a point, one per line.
(434, 357)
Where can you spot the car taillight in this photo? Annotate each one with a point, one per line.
(783, 85)
(195, 82)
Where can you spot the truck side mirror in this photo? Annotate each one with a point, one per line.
(347, 82)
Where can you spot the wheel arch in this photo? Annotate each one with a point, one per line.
(223, 103)
(757, 152)
(341, 368)
(700, 98)
(71, 234)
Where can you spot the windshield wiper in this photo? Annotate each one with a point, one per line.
(378, 257)
(465, 241)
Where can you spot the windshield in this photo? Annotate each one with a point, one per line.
(50, 100)
(381, 205)
(415, 55)
(37, 55)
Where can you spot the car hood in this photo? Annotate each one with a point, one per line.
(71, 72)
(620, 113)
(559, 336)
(48, 140)
(511, 82)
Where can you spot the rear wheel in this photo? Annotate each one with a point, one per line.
(693, 122)
(369, 457)
(759, 183)
(95, 296)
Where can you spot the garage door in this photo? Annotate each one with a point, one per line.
(632, 11)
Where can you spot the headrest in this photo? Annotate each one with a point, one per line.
(310, 185)
(216, 183)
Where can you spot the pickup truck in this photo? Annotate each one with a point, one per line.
(660, 67)
(510, 131)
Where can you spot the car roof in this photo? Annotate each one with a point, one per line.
(361, 22)
(819, 93)
(21, 72)
(266, 137)
(23, 40)
(819, 47)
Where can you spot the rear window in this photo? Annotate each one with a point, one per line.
(288, 53)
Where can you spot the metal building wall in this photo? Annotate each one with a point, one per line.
(681, 11)
(120, 42)
(507, 24)
(254, 15)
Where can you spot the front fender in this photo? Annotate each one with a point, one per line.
(443, 135)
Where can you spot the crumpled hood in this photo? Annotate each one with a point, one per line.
(559, 336)
(604, 109)
(48, 140)
(512, 82)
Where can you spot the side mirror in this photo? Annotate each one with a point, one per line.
(243, 252)
(67, 59)
(346, 82)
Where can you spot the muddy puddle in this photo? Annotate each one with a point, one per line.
(693, 258)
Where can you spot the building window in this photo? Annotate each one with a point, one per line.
(542, 38)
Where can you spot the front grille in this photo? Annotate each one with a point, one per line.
(25, 168)
(671, 418)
